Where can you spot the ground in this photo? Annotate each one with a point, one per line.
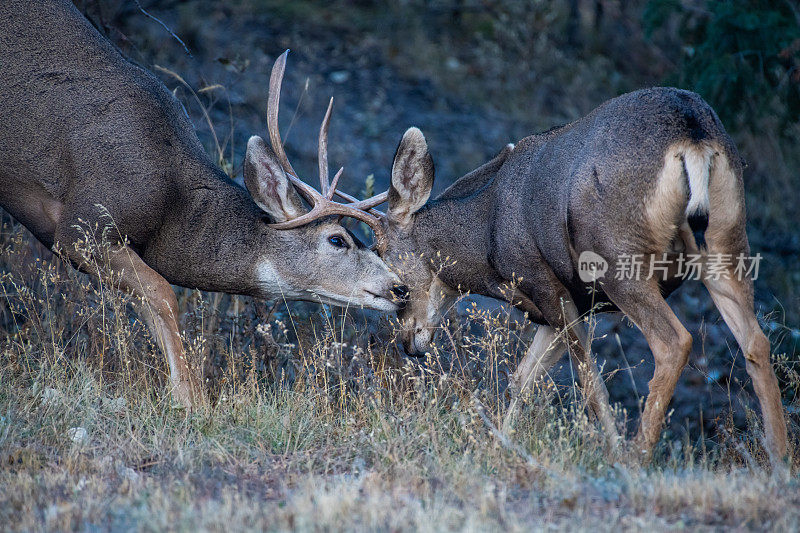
(316, 423)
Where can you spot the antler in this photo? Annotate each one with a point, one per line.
(322, 202)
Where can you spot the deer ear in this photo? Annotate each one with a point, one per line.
(412, 177)
(267, 182)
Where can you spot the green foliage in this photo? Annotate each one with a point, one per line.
(741, 55)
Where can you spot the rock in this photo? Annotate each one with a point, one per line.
(127, 473)
(78, 435)
(52, 396)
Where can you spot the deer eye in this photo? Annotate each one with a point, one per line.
(338, 241)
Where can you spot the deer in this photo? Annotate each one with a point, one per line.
(86, 135)
(650, 173)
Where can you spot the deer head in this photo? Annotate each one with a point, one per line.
(321, 260)
(411, 184)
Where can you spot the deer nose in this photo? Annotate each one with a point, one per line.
(400, 294)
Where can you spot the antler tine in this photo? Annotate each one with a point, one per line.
(308, 192)
(322, 154)
(322, 203)
(325, 208)
(367, 204)
(370, 203)
(335, 182)
(273, 105)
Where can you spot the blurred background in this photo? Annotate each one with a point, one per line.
(475, 75)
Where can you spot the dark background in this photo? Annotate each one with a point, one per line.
(475, 75)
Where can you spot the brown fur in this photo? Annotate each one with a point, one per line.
(616, 182)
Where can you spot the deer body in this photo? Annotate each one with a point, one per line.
(650, 172)
(550, 195)
(88, 138)
(127, 145)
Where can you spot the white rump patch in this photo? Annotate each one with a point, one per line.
(698, 168)
(668, 199)
(663, 208)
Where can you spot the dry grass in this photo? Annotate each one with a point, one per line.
(318, 425)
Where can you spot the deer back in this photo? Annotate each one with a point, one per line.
(85, 124)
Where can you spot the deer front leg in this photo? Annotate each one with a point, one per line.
(565, 330)
(157, 305)
(594, 388)
(545, 350)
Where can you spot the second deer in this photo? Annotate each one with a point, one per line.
(650, 174)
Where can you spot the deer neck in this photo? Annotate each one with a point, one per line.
(209, 240)
(455, 233)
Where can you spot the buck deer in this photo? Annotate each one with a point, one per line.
(652, 172)
(87, 134)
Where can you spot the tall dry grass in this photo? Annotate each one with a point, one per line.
(318, 424)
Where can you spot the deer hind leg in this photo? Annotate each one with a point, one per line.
(732, 293)
(734, 299)
(158, 307)
(668, 340)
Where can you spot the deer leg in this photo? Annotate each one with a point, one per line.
(154, 300)
(562, 316)
(733, 295)
(668, 340)
(734, 299)
(594, 388)
(158, 307)
(545, 350)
